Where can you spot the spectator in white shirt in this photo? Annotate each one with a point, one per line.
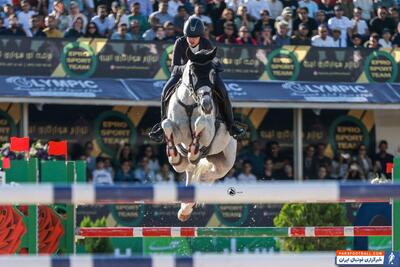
(100, 174)
(385, 40)
(341, 22)
(117, 15)
(359, 25)
(247, 175)
(25, 15)
(198, 13)
(233, 4)
(162, 13)
(173, 7)
(337, 41)
(255, 6)
(146, 6)
(322, 39)
(366, 7)
(311, 5)
(276, 8)
(103, 23)
(286, 17)
(75, 13)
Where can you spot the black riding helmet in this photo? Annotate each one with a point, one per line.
(193, 27)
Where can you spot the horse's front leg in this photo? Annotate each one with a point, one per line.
(172, 135)
(201, 136)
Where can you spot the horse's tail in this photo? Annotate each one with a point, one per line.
(202, 167)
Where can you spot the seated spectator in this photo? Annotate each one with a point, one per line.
(287, 172)
(226, 16)
(36, 30)
(360, 26)
(199, 13)
(108, 166)
(103, 23)
(8, 11)
(246, 175)
(243, 18)
(322, 39)
(340, 166)
(256, 158)
(302, 36)
(326, 7)
(281, 37)
(262, 23)
(373, 41)
(150, 34)
(165, 174)
(341, 23)
(320, 18)
(51, 30)
(60, 14)
(14, 29)
(92, 31)
(382, 21)
(377, 171)
(100, 174)
(275, 7)
(321, 159)
(347, 6)
(143, 172)
(77, 30)
(228, 37)
(160, 34)
(385, 41)
(135, 31)
(162, 13)
(214, 9)
(337, 40)
(363, 160)
(356, 40)
(366, 7)
(125, 153)
(88, 155)
(383, 156)
(24, 16)
(179, 20)
(253, 7)
(310, 23)
(355, 173)
(396, 37)
(273, 152)
(230, 177)
(394, 15)
(266, 37)
(286, 17)
(75, 13)
(154, 164)
(126, 174)
(311, 6)
(269, 173)
(322, 173)
(146, 6)
(309, 166)
(136, 15)
(173, 7)
(122, 33)
(170, 35)
(245, 37)
(207, 34)
(117, 15)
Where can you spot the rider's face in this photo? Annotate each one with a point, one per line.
(193, 41)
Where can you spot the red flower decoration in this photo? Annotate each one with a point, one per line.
(12, 229)
(50, 230)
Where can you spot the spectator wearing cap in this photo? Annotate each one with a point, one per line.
(24, 16)
(179, 20)
(382, 21)
(51, 29)
(254, 7)
(243, 18)
(341, 23)
(265, 39)
(394, 15)
(122, 33)
(281, 37)
(337, 40)
(311, 5)
(146, 7)
(327, 7)
(286, 17)
(320, 18)
(347, 6)
(14, 29)
(245, 37)
(355, 173)
(366, 7)
(170, 35)
(385, 41)
(162, 13)
(396, 37)
(60, 14)
(199, 13)
(360, 26)
(302, 36)
(322, 39)
(75, 13)
(103, 23)
(229, 36)
(150, 34)
(357, 40)
(135, 31)
(136, 15)
(373, 41)
(117, 15)
(173, 7)
(262, 23)
(276, 7)
(77, 29)
(304, 19)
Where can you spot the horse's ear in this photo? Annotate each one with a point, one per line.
(189, 54)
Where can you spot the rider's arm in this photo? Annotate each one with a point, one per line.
(177, 67)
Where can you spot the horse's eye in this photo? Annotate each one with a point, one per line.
(211, 76)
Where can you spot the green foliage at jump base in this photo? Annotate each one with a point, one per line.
(312, 215)
(96, 245)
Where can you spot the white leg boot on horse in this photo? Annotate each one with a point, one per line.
(185, 211)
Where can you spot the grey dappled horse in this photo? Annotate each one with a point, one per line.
(198, 143)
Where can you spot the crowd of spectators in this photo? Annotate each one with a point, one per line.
(323, 23)
(148, 165)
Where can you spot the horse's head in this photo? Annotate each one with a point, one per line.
(202, 77)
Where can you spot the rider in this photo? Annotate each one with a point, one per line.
(193, 31)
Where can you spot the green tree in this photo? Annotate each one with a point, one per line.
(312, 215)
(96, 245)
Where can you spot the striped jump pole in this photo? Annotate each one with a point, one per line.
(202, 260)
(266, 192)
(335, 231)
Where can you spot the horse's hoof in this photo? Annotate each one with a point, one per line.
(183, 217)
